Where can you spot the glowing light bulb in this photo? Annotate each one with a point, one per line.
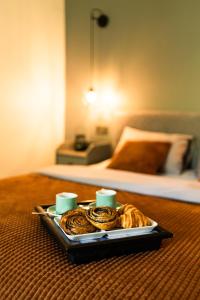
(90, 96)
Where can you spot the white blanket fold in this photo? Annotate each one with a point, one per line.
(173, 188)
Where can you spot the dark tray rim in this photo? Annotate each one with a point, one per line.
(158, 233)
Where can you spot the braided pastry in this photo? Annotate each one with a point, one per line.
(102, 217)
(130, 216)
(75, 222)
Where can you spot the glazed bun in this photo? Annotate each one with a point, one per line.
(75, 222)
(102, 217)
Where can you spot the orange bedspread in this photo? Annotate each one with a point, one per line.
(34, 266)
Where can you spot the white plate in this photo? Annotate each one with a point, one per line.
(111, 234)
(79, 237)
(118, 233)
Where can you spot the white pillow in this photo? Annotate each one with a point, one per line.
(174, 161)
(197, 170)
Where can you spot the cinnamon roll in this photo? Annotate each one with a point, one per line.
(102, 217)
(130, 216)
(75, 222)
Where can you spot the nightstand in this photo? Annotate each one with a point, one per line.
(96, 152)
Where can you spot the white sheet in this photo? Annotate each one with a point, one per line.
(188, 174)
(162, 186)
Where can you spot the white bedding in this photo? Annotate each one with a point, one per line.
(184, 187)
(188, 174)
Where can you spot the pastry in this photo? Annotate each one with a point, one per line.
(130, 216)
(102, 217)
(75, 222)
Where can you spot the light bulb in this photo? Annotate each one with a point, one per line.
(90, 96)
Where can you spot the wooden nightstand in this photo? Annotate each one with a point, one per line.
(96, 152)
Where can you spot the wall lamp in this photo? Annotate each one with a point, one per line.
(101, 20)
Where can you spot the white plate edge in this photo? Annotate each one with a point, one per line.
(110, 233)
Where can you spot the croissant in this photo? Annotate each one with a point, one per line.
(75, 222)
(102, 217)
(130, 216)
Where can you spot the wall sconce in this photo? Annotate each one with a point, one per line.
(102, 20)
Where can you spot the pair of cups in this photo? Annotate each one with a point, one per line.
(68, 201)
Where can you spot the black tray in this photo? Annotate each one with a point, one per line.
(94, 250)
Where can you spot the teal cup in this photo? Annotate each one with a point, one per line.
(65, 201)
(106, 198)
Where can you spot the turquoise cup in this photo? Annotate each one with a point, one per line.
(65, 201)
(106, 198)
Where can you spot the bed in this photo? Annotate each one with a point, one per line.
(183, 185)
(34, 266)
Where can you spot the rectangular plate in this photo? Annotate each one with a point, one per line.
(94, 249)
(109, 234)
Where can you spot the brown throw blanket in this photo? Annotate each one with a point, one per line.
(34, 266)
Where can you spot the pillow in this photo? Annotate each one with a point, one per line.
(197, 170)
(189, 155)
(141, 157)
(198, 173)
(174, 161)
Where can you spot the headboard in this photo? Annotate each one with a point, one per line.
(170, 122)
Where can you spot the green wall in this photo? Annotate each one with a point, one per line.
(149, 53)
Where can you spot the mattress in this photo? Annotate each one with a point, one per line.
(188, 174)
(183, 188)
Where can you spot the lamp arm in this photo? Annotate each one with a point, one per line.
(102, 21)
(91, 48)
